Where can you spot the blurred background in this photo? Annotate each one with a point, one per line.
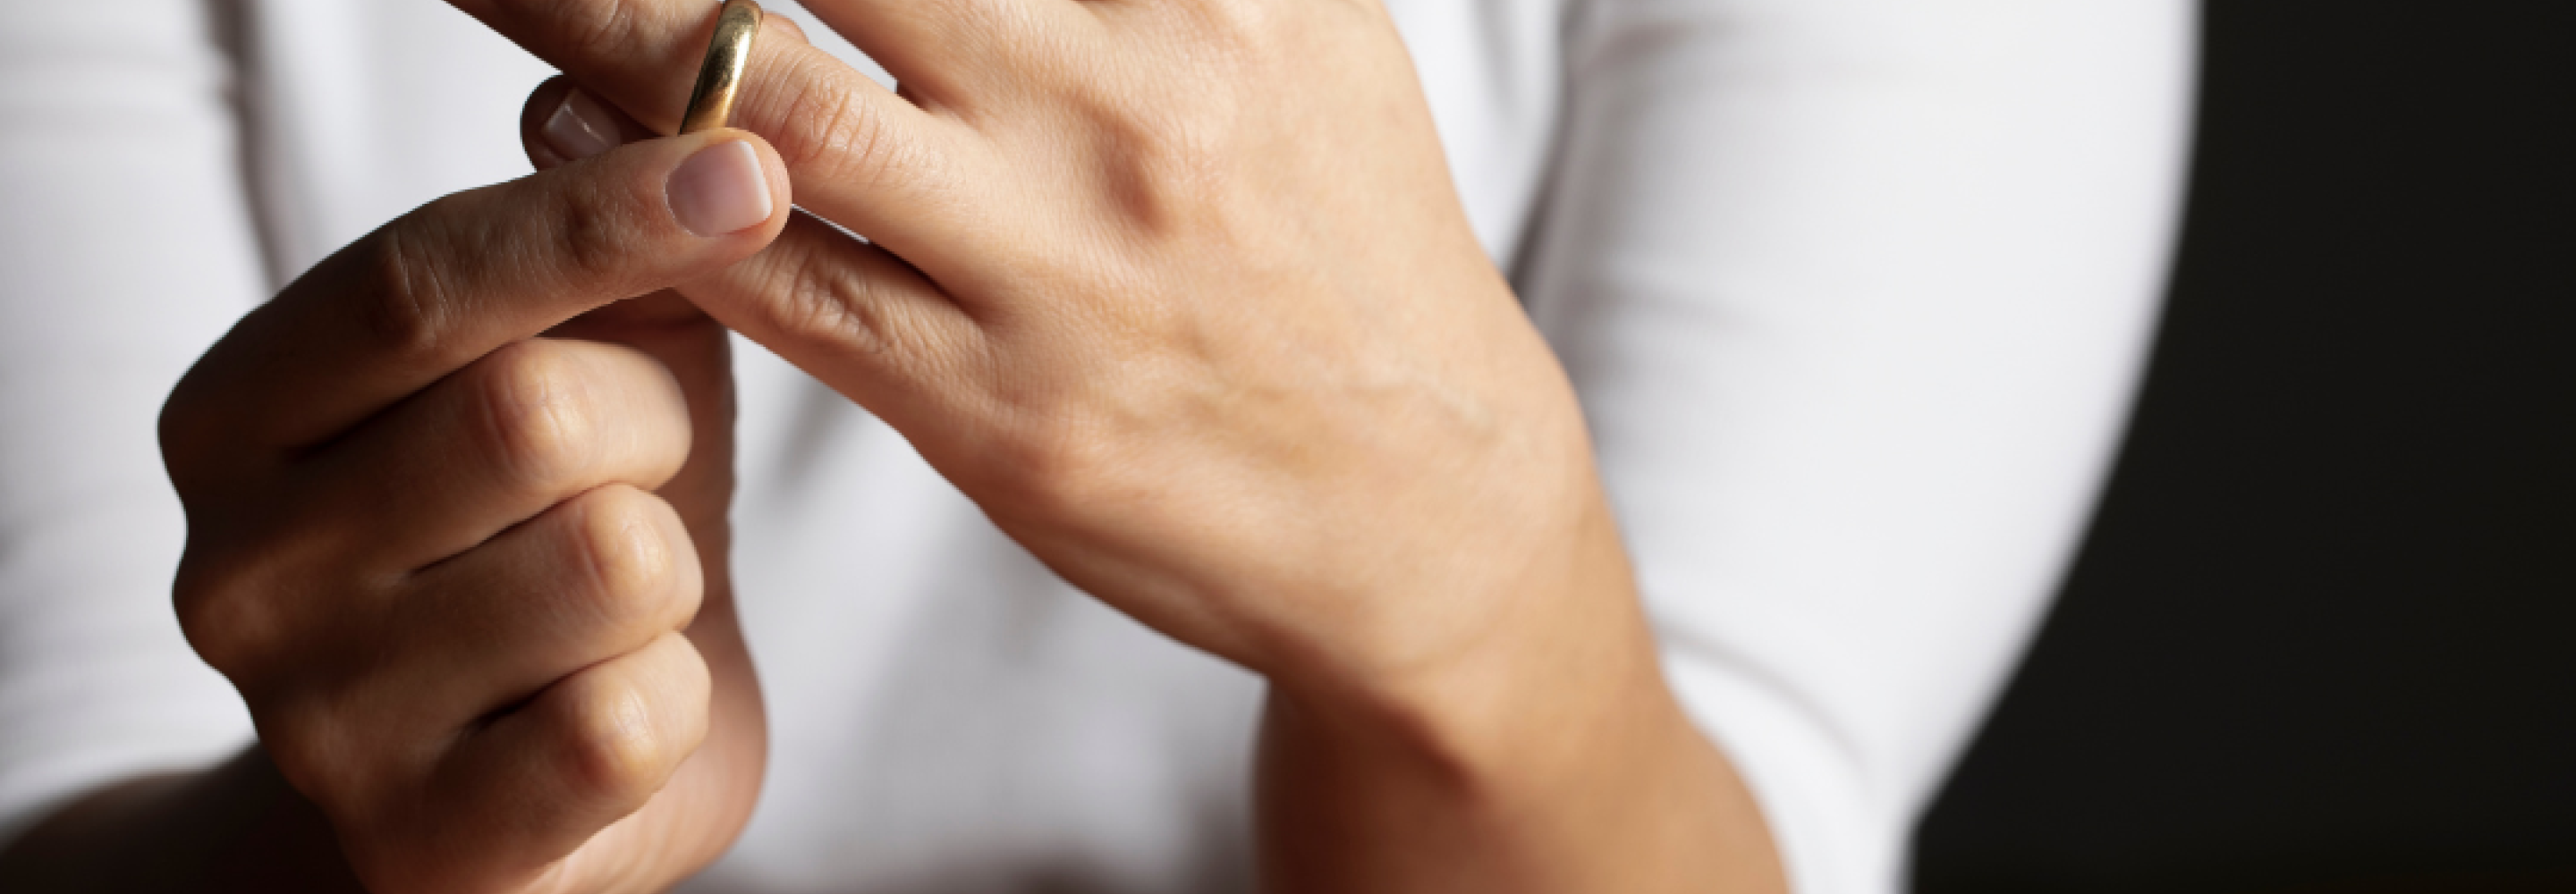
(2322, 634)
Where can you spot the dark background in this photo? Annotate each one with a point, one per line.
(2322, 635)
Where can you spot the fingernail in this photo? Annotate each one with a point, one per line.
(719, 190)
(580, 127)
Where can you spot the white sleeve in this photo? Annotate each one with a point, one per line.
(1855, 292)
(125, 249)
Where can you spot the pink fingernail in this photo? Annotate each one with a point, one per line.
(719, 190)
(580, 127)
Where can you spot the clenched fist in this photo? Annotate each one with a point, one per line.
(456, 522)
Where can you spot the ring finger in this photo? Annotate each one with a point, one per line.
(595, 577)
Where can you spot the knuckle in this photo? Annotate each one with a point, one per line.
(235, 623)
(412, 300)
(221, 615)
(824, 130)
(612, 750)
(821, 305)
(1163, 171)
(535, 416)
(823, 299)
(311, 754)
(185, 456)
(1058, 463)
(591, 240)
(629, 564)
(848, 308)
(192, 436)
(596, 29)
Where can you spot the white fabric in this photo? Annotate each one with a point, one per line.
(1854, 292)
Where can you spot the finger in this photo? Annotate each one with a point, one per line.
(597, 576)
(699, 353)
(848, 313)
(496, 443)
(463, 275)
(715, 788)
(949, 51)
(811, 269)
(860, 155)
(845, 310)
(563, 123)
(659, 44)
(520, 794)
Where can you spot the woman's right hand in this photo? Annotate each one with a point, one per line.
(470, 580)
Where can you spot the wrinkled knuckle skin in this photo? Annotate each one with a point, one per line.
(820, 299)
(599, 29)
(411, 295)
(591, 240)
(629, 570)
(819, 304)
(824, 130)
(535, 417)
(570, 32)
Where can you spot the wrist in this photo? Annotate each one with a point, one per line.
(1561, 672)
(1549, 757)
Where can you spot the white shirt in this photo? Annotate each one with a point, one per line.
(1854, 292)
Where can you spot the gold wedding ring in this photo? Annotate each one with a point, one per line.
(711, 101)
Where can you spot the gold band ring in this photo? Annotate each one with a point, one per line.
(711, 101)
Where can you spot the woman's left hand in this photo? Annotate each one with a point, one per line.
(1180, 293)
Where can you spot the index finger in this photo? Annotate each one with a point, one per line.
(463, 275)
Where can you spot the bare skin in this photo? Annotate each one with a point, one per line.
(1179, 293)
(457, 532)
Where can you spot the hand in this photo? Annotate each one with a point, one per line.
(1224, 354)
(1180, 294)
(472, 582)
